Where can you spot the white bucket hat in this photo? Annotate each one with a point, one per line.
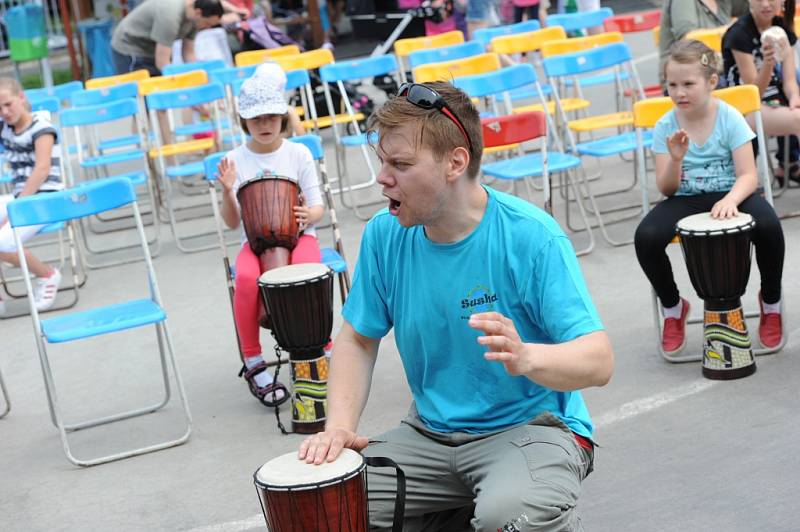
(262, 93)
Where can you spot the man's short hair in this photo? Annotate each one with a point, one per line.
(209, 8)
(436, 131)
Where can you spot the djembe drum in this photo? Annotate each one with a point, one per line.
(299, 299)
(330, 497)
(267, 205)
(717, 253)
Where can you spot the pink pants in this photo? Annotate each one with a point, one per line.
(246, 296)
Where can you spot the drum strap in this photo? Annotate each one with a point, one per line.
(400, 498)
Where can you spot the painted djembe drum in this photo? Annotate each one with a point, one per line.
(718, 256)
(299, 299)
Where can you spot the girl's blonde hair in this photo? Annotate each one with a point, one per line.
(690, 52)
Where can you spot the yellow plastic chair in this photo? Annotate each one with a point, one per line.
(531, 41)
(176, 81)
(579, 44)
(447, 70)
(305, 61)
(710, 37)
(119, 79)
(403, 47)
(256, 57)
(657, 36)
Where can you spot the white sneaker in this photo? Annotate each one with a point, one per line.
(46, 290)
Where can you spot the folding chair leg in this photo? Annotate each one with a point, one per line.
(6, 400)
(570, 183)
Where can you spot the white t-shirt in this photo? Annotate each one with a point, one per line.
(291, 160)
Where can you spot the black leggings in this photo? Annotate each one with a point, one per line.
(657, 229)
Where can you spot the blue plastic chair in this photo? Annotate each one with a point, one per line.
(338, 73)
(485, 35)
(85, 200)
(581, 20)
(180, 68)
(63, 92)
(104, 96)
(211, 94)
(50, 104)
(445, 53)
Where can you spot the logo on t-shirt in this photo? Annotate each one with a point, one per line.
(479, 299)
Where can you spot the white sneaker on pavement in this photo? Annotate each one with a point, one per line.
(46, 290)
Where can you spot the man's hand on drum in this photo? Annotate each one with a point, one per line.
(302, 213)
(725, 208)
(326, 446)
(502, 342)
(678, 145)
(226, 174)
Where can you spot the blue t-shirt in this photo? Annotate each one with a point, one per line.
(707, 168)
(517, 262)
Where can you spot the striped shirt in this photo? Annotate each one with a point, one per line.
(20, 153)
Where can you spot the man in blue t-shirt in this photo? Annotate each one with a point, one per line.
(494, 325)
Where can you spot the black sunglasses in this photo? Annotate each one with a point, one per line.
(426, 98)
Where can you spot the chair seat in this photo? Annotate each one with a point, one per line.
(72, 149)
(613, 145)
(179, 148)
(112, 158)
(186, 170)
(119, 142)
(52, 228)
(530, 165)
(526, 93)
(327, 121)
(598, 79)
(568, 104)
(332, 259)
(137, 177)
(200, 127)
(624, 118)
(102, 320)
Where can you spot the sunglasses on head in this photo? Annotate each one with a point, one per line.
(426, 98)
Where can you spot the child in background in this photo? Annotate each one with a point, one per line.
(704, 162)
(33, 154)
(265, 117)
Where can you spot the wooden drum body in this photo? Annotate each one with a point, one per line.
(267, 204)
(718, 257)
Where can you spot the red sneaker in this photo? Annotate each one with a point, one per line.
(770, 327)
(674, 336)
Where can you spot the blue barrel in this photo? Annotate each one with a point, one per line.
(27, 36)
(97, 39)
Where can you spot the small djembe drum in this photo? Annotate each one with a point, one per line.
(718, 255)
(299, 299)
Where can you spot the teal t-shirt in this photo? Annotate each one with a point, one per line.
(707, 168)
(518, 262)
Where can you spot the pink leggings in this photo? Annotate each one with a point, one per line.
(246, 296)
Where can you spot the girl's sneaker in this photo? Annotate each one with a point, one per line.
(46, 290)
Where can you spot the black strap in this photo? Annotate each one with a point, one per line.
(400, 498)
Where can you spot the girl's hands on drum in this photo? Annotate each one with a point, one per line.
(725, 208)
(326, 446)
(302, 213)
(678, 145)
(226, 174)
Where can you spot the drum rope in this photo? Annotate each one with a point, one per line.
(278, 352)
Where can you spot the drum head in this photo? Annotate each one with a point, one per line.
(294, 273)
(287, 471)
(703, 223)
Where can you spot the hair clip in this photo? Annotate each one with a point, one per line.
(704, 59)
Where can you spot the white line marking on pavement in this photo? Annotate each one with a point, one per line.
(646, 404)
(625, 411)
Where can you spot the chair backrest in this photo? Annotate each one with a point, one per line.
(256, 57)
(403, 47)
(448, 70)
(63, 91)
(745, 98)
(177, 81)
(657, 35)
(98, 114)
(513, 129)
(104, 95)
(307, 60)
(45, 103)
(110, 81)
(578, 44)
(296, 79)
(485, 35)
(90, 197)
(180, 68)
(366, 67)
(587, 60)
(634, 22)
(531, 41)
(185, 97)
(647, 112)
(445, 53)
(313, 143)
(210, 165)
(498, 81)
(711, 37)
(580, 20)
(227, 76)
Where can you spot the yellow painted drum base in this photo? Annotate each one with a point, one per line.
(727, 350)
(309, 392)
